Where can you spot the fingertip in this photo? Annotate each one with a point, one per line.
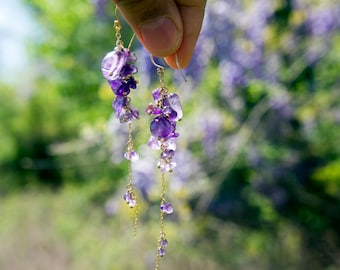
(179, 62)
(160, 36)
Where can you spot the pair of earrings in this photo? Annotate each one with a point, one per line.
(118, 68)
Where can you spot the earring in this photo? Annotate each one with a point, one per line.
(167, 110)
(118, 68)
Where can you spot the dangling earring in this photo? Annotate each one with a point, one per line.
(118, 69)
(167, 110)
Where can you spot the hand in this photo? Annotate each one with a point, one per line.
(166, 27)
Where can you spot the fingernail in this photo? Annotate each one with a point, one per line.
(160, 36)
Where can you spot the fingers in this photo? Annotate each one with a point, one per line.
(157, 24)
(166, 28)
(192, 17)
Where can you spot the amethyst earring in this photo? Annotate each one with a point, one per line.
(118, 68)
(167, 110)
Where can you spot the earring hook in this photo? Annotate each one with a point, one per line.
(131, 40)
(155, 64)
(180, 69)
(162, 68)
(116, 13)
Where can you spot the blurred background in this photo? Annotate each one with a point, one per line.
(258, 179)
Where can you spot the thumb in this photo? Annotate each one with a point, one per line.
(157, 24)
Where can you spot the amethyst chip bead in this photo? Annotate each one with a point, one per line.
(161, 127)
(113, 63)
(161, 251)
(163, 242)
(167, 208)
(132, 155)
(129, 198)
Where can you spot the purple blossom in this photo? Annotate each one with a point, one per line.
(323, 21)
(99, 6)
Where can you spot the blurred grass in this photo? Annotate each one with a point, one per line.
(67, 230)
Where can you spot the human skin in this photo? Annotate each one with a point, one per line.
(166, 28)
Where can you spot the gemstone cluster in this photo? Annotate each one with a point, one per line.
(118, 69)
(167, 111)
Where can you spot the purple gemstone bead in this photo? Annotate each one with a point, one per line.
(154, 143)
(118, 104)
(156, 94)
(129, 198)
(132, 155)
(132, 83)
(161, 127)
(135, 112)
(161, 251)
(167, 154)
(125, 117)
(166, 166)
(170, 113)
(170, 144)
(130, 56)
(175, 134)
(152, 109)
(122, 90)
(175, 104)
(163, 242)
(167, 208)
(128, 69)
(112, 64)
(115, 84)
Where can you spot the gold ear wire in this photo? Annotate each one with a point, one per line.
(116, 13)
(162, 68)
(118, 27)
(160, 72)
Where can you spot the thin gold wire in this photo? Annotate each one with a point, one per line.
(120, 45)
(117, 26)
(162, 231)
(130, 183)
